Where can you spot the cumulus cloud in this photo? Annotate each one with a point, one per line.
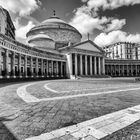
(110, 4)
(115, 24)
(22, 7)
(104, 39)
(22, 29)
(86, 21)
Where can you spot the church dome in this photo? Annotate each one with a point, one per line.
(58, 30)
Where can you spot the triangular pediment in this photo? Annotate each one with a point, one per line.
(89, 46)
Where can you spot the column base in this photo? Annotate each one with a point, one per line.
(8, 76)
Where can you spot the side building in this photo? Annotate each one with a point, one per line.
(122, 59)
(6, 25)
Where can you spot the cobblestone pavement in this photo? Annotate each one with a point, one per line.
(25, 120)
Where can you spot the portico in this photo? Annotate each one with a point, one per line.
(123, 68)
(87, 65)
(84, 59)
(81, 64)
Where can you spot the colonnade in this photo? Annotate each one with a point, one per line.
(122, 69)
(80, 64)
(13, 65)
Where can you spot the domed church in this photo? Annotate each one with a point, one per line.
(83, 58)
(55, 50)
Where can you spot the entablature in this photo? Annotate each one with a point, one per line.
(83, 52)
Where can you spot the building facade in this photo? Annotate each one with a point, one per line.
(122, 59)
(6, 25)
(55, 50)
(123, 50)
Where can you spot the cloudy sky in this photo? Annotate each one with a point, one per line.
(107, 21)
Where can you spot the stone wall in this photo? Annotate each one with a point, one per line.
(43, 43)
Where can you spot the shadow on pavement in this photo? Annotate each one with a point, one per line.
(5, 134)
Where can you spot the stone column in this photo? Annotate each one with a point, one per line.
(61, 69)
(36, 67)
(103, 66)
(111, 70)
(86, 72)
(52, 69)
(114, 68)
(81, 65)
(95, 68)
(13, 64)
(69, 65)
(131, 70)
(25, 65)
(91, 71)
(119, 69)
(99, 65)
(123, 69)
(0, 63)
(127, 70)
(6, 63)
(31, 66)
(42, 68)
(136, 70)
(75, 64)
(47, 68)
(57, 70)
(19, 65)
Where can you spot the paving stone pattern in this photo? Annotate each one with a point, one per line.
(24, 120)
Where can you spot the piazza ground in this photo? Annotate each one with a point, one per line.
(54, 104)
